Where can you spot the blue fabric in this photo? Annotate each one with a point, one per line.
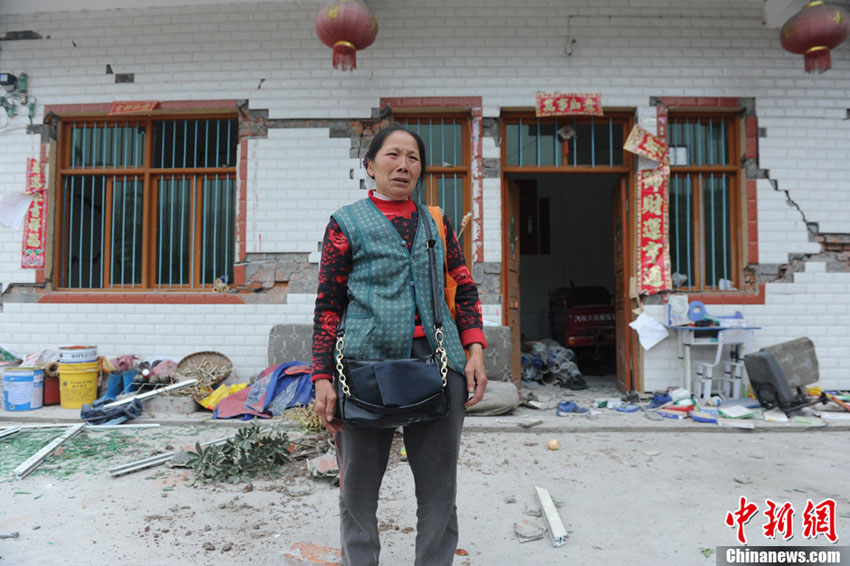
(284, 387)
(288, 389)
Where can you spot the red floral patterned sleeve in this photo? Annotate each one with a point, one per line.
(331, 299)
(468, 306)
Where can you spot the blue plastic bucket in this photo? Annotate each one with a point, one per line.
(23, 388)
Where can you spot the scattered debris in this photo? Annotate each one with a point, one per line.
(9, 431)
(743, 481)
(306, 417)
(529, 423)
(307, 553)
(299, 490)
(33, 462)
(651, 453)
(553, 444)
(527, 531)
(324, 467)
(511, 499)
(208, 546)
(149, 394)
(551, 516)
(14, 535)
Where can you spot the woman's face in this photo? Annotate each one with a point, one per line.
(396, 166)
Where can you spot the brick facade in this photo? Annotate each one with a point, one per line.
(299, 157)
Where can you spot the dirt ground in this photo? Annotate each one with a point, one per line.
(635, 498)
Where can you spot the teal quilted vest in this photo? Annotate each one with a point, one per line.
(388, 284)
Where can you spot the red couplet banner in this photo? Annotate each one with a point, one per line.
(32, 254)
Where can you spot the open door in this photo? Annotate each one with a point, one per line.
(510, 255)
(619, 210)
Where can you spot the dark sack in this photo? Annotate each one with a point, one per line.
(391, 393)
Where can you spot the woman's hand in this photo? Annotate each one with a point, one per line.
(476, 379)
(325, 404)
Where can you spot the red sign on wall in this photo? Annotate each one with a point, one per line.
(132, 107)
(568, 104)
(653, 268)
(32, 254)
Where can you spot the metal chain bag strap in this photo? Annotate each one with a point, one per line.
(393, 393)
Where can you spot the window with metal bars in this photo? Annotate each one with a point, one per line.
(704, 202)
(146, 204)
(564, 143)
(447, 183)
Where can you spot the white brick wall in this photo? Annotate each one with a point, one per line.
(172, 331)
(297, 178)
(496, 49)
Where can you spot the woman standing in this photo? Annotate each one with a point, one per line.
(371, 254)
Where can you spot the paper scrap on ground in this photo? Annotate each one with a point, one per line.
(650, 331)
(736, 412)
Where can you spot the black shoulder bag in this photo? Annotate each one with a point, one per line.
(393, 393)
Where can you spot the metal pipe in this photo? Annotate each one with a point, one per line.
(35, 460)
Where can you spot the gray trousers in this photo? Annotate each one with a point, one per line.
(432, 452)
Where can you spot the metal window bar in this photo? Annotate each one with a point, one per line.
(688, 233)
(713, 237)
(592, 144)
(575, 143)
(519, 142)
(557, 146)
(160, 216)
(725, 229)
(537, 142)
(194, 216)
(610, 142)
(69, 231)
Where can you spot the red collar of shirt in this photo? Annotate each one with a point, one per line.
(393, 207)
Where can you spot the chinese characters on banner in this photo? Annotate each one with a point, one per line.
(817, 519)
(32, 254)
(653, 243)
(132, 106)
(643, 143)
(652, 232)
(568, 104)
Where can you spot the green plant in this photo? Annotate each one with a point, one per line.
(251, 452)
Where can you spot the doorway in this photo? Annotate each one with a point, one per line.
(566, 267)
(566, 254)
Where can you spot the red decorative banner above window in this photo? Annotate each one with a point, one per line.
(568, 104)
(132, 107)
(32, 255)
(645, 144)
(653, 244)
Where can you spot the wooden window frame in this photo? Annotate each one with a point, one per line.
(513, 117)
(464, 171)
(735, 174)
(150, 176)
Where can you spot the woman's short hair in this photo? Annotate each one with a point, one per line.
(379, 140)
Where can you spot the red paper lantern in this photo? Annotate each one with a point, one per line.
(346, 25)
(813, 31)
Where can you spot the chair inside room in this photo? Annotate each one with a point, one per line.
(738, 341)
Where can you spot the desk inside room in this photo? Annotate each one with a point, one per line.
(700, 336)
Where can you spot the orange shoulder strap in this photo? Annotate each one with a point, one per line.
(451, 284)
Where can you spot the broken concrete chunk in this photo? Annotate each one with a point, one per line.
(324, 466)
(527, 531)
